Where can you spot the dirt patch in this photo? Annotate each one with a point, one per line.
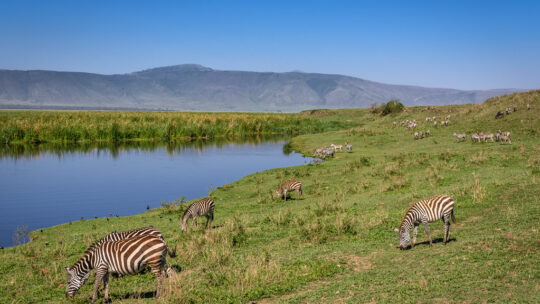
(359, 263)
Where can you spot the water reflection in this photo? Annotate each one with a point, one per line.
(114, 149)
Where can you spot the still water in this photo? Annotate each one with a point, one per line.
(42, 186)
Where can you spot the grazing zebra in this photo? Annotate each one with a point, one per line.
(395, 123)
(128, 256)
(289, 186)
(415, 135)
(426, 211)
(336, 147)
(117, 236)
(428, 119)
(488, 136)
(460, 136)
(428, 133)
(476, 137)
(528, 107)
(435, 124)
(201, 207)
(506, 139)
(448, 117)
(499, 115)
(515, 109)
(349, 147)
(507, 111)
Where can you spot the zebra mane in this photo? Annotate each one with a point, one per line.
(405, 216)
(86, 254)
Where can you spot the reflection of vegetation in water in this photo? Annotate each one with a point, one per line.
(92, 126)
(26, 150)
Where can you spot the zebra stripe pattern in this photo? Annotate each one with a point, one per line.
(289, 186)
(118, 236)
(426, 211)
(128, 256)
(199, 208)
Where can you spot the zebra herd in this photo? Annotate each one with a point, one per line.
(326, 152)
(500, 136)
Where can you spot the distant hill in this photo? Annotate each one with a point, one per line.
(193, 87)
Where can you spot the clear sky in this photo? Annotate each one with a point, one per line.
(452, 44)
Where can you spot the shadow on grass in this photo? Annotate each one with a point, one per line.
(136, 295)
(435, 241)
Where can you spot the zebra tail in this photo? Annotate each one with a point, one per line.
(171, 253)
(453, 218)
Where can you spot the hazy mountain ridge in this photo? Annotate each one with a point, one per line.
(195, 87)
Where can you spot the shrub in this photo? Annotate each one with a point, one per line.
(393, 106)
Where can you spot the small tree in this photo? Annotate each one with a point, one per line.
(373, 107)
(393, 106)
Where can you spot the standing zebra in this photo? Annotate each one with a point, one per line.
(118, 236)
(349, 147)
(426, 211)
(128, 256)
(289, 186)
(201, 207)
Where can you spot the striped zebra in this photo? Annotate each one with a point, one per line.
(460, 136)
(426, 211)
(128, 256)
(349, 147)
(289, 186)
(201, 207)
(118, 236)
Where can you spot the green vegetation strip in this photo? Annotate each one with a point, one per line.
(337, 244)
(96, 126)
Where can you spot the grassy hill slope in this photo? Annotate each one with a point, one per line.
(337, 244)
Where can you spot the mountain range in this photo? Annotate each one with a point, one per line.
(191, 87)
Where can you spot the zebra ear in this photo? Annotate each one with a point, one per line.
(396, 230)
(67, 270)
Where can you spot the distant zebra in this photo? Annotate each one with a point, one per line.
(424, 212)
(201, 207)
(118, 236)
(428, 133)
(349, 147)
(415, 135)
(395, 123)
(506, 139)
(475, 137)
(435, 124)
(499, 115)
(528, 107)
(288, 187)
(128, 256)
(460, 136)
(488, 136)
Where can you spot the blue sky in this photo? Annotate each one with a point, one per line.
(454, 44)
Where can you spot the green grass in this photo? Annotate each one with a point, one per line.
(337, 244)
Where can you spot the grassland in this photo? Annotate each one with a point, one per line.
(337, 244)
(107, 126)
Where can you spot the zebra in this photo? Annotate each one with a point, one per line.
(460, 136)
(499, 114)
(426, 211)
(415, 135)
(289, 186)
(349, 147)
(128, 256)
(528, 107)
(395, 124)
(118, 236)
(507, 111)
(435, 124)
(201, 207)
(428, 133)
(476, 137)
(336, 147)
(488, 136)
(506, 139)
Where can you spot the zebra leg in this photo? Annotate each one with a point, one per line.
(99, 276)
(446, 229)
(195, 222)
(415, 231)
(299, 192)
(209, 221)
(285, 194)
(106, 284)
(428, 234)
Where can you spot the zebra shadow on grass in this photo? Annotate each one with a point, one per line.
(434, 241)
(135, 295)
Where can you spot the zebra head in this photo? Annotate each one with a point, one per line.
(75, 281)
(404, 238)
(279, 193)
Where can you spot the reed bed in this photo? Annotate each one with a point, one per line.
(95, 126)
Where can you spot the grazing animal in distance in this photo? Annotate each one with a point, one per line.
(201, 207)
(476, 137)
(488, 136)
(460, 136)
(424, 212)
(515, 109)
(349, 147)
(287, 187)
(428, 133)
(129, 256)
(415, 135)
(528, 107)
(395, 123)
(435, 124)
(506, 139)
(499, 115)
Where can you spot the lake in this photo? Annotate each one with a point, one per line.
(47, 185)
